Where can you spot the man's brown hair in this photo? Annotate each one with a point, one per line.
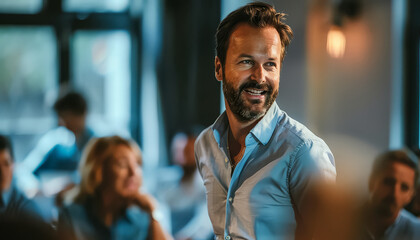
(256, 14)
(403, 156)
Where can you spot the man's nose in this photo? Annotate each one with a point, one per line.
(395, 191)
(258, 73)
(132, 170)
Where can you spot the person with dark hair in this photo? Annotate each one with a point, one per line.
(391, 186)
(50, 169)
(260, 167)
(13, 204)
(71, 109)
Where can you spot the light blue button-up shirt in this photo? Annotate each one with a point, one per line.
(406, 227)
(79, 221)
(263, 197)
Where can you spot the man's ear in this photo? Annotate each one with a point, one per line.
(218, 69)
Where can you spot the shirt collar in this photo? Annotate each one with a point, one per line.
(6, 195)
(266, 126)
(262, 131)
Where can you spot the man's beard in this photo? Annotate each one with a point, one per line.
(237, 105)
(386, 208)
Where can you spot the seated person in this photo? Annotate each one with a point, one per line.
(13, 203)
(108, 204)
(391, 186)
(71, 110)
(185, 195)
(51, 167)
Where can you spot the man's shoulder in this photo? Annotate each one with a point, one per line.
(407, 226)
(19, 204)
(205, 136)
(410, 220)
(18, 199)
(296, 133)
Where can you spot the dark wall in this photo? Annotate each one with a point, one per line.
(189, 92)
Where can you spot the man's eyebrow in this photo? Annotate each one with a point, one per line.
(243, 55)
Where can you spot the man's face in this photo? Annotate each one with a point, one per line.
(73, 122)
(6, 169)
(392, 189)
(251, 73)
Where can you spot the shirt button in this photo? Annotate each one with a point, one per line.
(226, 160)
(227, 237)
(230, 199)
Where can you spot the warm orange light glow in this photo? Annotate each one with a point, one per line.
(336, 42)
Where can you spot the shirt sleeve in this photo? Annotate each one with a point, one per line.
(312, 167)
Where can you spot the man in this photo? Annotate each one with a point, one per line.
(71, 109)
(13, 204)
(185, 195)
(51, 167)
(391, 187)
(260, 167)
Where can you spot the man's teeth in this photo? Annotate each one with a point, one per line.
(254, 91)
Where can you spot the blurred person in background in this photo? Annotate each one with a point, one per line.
(71, 110)
(392, 184)
(185, 195)
(50, 169)
(13, 204)
(108, 203)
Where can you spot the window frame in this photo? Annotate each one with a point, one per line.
(65, 24)
(412, 77)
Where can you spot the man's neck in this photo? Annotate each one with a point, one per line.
(238, 130)
(378, 224)
(237, 133)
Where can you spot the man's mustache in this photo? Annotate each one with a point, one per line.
(252, 84)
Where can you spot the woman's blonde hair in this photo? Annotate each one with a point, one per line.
(97, 151)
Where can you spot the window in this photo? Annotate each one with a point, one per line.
(20, 6)
(28, 83)
(95, 5)
(101, 67)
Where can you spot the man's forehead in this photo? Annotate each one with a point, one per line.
(250, 41)
(399, 170)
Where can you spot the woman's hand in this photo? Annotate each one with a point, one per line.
(144, 201)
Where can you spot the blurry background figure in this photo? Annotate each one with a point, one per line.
(414, 206)
(184, 193)
(392, 184)
(13, 204)
(51, 167)
(108, 204)
(71, 110)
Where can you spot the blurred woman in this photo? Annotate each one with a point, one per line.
(108, 204)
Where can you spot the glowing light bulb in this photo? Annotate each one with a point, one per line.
(336, 42)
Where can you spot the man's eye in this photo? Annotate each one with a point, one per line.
(271, 64)
(246, 61)
(404, 188)
(121, 164)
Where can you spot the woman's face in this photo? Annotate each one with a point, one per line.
(122, 172)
